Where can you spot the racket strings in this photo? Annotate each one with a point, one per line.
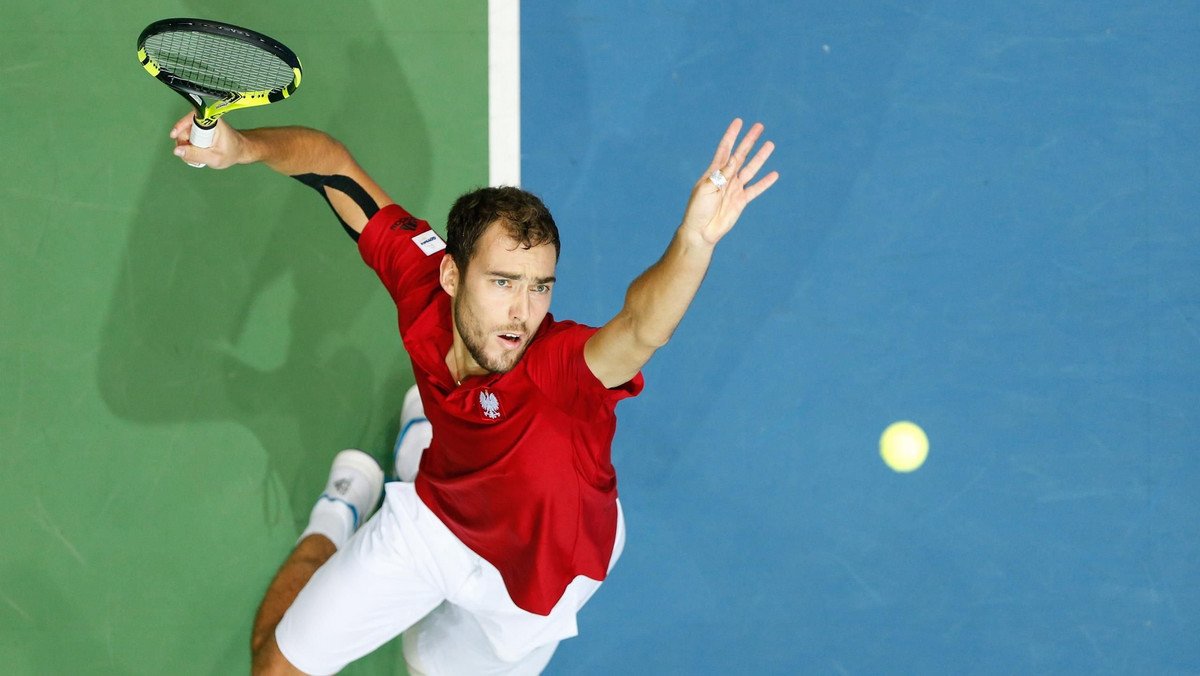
(218, 63)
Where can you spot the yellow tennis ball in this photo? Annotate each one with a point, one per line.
(903, 446)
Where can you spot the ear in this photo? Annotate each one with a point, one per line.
(448, 275)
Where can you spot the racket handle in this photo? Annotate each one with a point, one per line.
(201, 137)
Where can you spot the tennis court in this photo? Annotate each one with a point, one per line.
(985, 224)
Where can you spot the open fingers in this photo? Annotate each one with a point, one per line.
(728, 161)
(734, 167)
(747, 173)
(725, 147)
(759, 188)
(748, 142)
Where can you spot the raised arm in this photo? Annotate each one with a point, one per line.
(658, 299)
(310, 156)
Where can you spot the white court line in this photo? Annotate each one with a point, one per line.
(504, 92)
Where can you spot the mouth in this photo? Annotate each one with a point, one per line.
(511, 341)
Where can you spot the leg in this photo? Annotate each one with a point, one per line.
(351, 493)
(385, 578)
(451, 640)
(311, 553)
(480, 631)
(415, 435)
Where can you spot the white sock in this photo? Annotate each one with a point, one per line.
(411, 447)
(330, 518)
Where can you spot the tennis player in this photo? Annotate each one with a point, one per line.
(483, 559)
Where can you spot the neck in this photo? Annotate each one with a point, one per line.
(460, 362)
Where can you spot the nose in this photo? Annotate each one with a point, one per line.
(519, 310)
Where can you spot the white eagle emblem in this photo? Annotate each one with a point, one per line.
(490, 404)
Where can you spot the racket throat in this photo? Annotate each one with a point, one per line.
(204, 123)
(192, 98)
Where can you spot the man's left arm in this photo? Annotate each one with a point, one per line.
(659, 297)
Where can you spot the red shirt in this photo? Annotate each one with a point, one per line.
(519, 467)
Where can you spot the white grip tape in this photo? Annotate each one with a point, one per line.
(202, 138)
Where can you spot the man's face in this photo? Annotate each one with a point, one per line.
(502, 299)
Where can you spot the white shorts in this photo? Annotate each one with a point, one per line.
(405, 569)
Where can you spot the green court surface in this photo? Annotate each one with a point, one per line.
(183, 351)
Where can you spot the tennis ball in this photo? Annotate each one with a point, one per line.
(903, 446)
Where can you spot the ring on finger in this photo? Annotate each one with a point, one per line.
(717, 178)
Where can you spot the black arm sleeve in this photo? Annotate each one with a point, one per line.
(346, 185)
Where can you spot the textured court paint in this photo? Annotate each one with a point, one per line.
(173, 387)
(985, 223)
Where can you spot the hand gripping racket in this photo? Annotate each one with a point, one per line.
(230, 66)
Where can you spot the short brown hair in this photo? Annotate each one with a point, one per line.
(524, 216)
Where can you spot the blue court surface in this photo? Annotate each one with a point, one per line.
(986, 224)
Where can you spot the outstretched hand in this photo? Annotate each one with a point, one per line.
(226, 151)
(713, 209)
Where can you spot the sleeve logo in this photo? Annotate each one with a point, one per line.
(429, 242)
(405, 223)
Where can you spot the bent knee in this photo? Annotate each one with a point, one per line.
(268, 660)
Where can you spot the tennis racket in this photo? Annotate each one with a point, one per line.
(218, 68)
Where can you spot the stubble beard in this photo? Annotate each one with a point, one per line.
(475, 339)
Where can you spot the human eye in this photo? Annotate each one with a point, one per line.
(541, 288)
(503, 283)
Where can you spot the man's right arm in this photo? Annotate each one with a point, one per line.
(310, 156)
